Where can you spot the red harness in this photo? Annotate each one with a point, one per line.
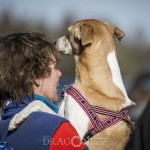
(91, 111)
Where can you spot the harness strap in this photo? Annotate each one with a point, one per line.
(86, 107)
(104, 111)
(119, 115)
(92, 111)
(108, 122)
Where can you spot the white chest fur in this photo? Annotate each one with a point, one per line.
(75, 114)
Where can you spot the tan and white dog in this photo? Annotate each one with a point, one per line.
(97, 77)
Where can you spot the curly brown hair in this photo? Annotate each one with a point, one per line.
(24, 57)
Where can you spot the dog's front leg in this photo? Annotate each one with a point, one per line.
(35, 106)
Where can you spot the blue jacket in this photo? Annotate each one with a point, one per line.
(40, 131)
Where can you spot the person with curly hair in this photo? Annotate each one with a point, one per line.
(28, 72)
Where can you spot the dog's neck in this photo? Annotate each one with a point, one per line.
(99, 75)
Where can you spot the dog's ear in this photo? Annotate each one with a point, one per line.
(118, 33)
(115, 31)
(86, 34)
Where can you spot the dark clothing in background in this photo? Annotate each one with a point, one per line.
(140, 139)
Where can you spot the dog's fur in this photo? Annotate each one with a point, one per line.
(97, 77)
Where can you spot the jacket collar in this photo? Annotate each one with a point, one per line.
(47, 102)
(13, 108)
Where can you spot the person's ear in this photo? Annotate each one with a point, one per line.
(37, 82)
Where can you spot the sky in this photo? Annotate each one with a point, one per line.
(131, 16)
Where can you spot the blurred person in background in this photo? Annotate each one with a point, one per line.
(140, 138)
(141, 87)
(28, 72)
(140, 93)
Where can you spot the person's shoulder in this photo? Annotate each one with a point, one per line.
(43, 122)
(46, 117)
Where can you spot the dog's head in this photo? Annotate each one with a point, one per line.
(92, 42)
(84, 33)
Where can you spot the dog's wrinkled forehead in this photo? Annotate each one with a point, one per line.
(75, 30)
(86, 26)
(75, 26)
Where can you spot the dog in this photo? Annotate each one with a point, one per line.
(98, 84)
(98, 79)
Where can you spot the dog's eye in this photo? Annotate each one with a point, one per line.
(76, 39)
